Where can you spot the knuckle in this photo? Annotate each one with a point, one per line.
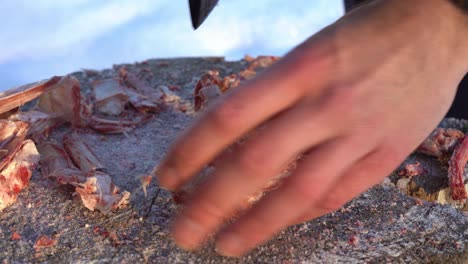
(307, 191)
(226, 117)
(181, 158)
(392, 153)
(342, 99)
(341, 108)
(259, 229)
(208, 212)
(253, 161)
(332, 202)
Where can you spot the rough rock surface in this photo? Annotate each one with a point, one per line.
(381, 225)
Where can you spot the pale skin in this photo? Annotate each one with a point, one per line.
(357, 98)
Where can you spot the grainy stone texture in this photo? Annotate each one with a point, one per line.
(382, 225)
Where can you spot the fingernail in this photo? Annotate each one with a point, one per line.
(188, 234)
(168, 178)
(230, 245)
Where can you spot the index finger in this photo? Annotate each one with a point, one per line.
(241, 111)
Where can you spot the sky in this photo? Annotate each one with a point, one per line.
(42, 38)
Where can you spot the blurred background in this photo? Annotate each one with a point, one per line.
(42, 38)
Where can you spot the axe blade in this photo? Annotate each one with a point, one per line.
(199, 10)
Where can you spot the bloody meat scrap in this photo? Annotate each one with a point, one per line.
(113, 126)
(54, 158)
(81, 153)
(141, 102)
(98, 192)
(444, 142)
(8, 131)
(260, 61)
(142, 97)
(16, 174)
(210, 86)
(95, 188)
(65, 101)
(16, 97)
(456, 169)
(209, 79)
(161, 93)
(45, 242)
(441, 142)
(166, 95)
(110, 96)
(412, 170)
(12, 135)
(59, 102)
(40, 123)
(205, 95)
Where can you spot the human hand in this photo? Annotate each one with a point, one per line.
(354, 99)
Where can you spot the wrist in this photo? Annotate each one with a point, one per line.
(453, 27)
(459, 12)
(443, 26)
(448, 24)
(451, 21)
(447, 19)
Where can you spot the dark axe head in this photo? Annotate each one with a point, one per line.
(200, 9)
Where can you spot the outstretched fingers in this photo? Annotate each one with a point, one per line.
(259, 159)
(364, 174)
(278, 209)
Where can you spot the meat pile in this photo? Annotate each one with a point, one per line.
(117, 105)
(18, 157)
(211, 85)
